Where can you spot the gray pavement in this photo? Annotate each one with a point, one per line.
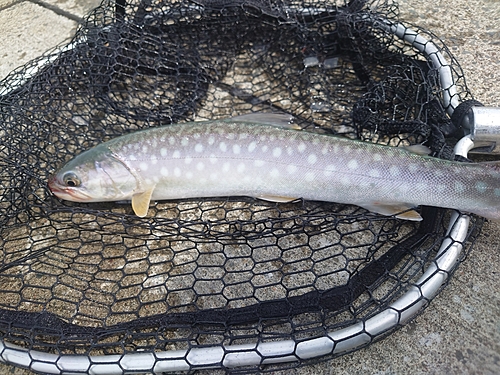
(460, 332)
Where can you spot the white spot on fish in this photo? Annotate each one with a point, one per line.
(374, 173)
(497, 192)
(311, 159)
(236, 149)
(132, 157)
(188, 160)
(243, 136)
(223, 147)
(481, 186)
(144, 166)
(459, 187)
(240, 168)
(309, 176)
(301, 147)
(291, 169)
(265, 148)
(144, 149)
(184, 141)
(213, 159)
(154, 161)
(252, 146)
(352, 164)
(412, 167)
(200, 166)
(171, 140)
(259, 163)
(277, 152)
(177, 172)
(196, 136)
(164, 171)
(163, 152)
(345, 180)
(377, 157)
(198, 148)
(274, 172)
(226, 167)
(211, 140)
(393, 170)
(176, 154)
(324, 150)
(330, 169)
(137, 146)
(189, 175)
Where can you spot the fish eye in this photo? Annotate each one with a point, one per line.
(70, 179)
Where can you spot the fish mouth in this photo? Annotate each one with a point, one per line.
(65, 192)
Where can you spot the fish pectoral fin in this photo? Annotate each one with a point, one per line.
(399, 210)
(140, 202)
(277, 198)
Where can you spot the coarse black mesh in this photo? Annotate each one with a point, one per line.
(94, 279)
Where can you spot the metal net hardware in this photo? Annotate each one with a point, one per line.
(237, 283)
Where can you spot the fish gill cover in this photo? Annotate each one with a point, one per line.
(94, 279)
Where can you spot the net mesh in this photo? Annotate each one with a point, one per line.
(94, 279)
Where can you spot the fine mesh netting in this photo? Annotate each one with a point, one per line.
(211, 274)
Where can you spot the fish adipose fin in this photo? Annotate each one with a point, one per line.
(399, 210)
(277, 198)
(140, 202)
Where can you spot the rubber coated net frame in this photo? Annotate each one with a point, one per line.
(232, 283)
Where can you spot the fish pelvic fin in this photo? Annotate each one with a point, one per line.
(399, 210)
(418, 149)
(140, 202)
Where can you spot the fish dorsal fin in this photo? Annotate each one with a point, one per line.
(418, 149)
(280, 120)
(400, 210)
(140, 202)
(276, 198)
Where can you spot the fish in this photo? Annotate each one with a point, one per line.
(264, 156)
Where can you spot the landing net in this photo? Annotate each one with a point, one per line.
(233, 283)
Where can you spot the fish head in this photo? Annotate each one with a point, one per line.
(94, 176)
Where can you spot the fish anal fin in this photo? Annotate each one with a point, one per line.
(399, 210)
(140, 202)
(277, 198)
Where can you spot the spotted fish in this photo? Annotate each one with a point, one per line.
(258, 156)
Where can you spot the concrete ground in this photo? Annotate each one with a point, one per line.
(460, 332)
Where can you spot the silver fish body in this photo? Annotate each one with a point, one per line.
(238, 158)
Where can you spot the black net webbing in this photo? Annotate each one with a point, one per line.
(94, 279)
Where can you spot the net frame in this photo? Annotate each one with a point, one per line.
(335, 342)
